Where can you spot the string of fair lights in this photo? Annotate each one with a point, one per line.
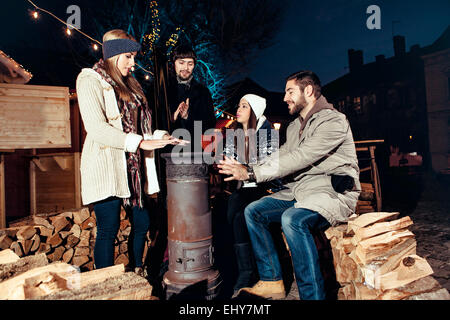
(151, 38)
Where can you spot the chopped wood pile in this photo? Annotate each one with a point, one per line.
(375, 259)
(34, 278)
(366, 202)
(68, 237)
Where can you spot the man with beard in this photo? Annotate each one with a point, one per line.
(189, 101)
(319, 165)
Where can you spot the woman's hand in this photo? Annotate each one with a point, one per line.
(175, 140)
(161, 143)
(155, 144)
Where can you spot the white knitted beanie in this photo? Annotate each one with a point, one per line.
(257, 103)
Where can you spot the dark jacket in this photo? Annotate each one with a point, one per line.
(200, 105)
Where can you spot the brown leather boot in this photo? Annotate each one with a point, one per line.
(267, 289)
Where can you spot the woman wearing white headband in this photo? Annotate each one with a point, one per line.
(117, 156)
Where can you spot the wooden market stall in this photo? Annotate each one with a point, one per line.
(38, 162)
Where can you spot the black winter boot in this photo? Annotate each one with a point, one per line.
(248, 274)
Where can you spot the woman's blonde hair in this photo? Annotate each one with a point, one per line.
(127, 85)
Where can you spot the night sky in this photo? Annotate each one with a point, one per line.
(313, 35)
(316, 35)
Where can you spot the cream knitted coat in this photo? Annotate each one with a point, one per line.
(103, 164)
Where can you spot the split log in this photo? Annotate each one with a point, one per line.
(100, 275)
(68, 215)
(10, 232)
(57, 254)
(64, 234)
(121, 259)
(124, 224)
(61, 223)
(82, 251)
(17, 248)
(68, 255)
(42, 222)
(32, 220)
(388, 261)
(22, 265)
(363, 292)
(366, 186)
(341, 295)
(89, 266)
(81, 215)
(88, 223)
(423, 285)
(36, 243)
(26, 233)
(346, 244)
(72, 241)
(5, 242)
(44, 284)
(120, 237)
(380, 228)
(123, 214)
(45, 231)
(441, 294)
(84, 238)
(8, 256)
(348, 292)
(368, 219)
(347, 270)
(80, 260)
(410, 269)
(26, 246)
(364, 209)
(127, 286)
(369, 249)
(44, 248)
(123, 247)
(336, 232)
(55, 240)
(127, 231)
(13, 288)
(76, 230)
(367, 195)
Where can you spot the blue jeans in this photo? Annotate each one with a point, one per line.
(296, 224)
(107, 213)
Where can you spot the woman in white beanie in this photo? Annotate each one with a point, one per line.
(251, 139)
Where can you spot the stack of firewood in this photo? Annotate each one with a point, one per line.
(375, 258)
(366, 201)
(33, 277)
(68, 237)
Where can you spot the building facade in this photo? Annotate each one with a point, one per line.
(437, 80)
(387, 99)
